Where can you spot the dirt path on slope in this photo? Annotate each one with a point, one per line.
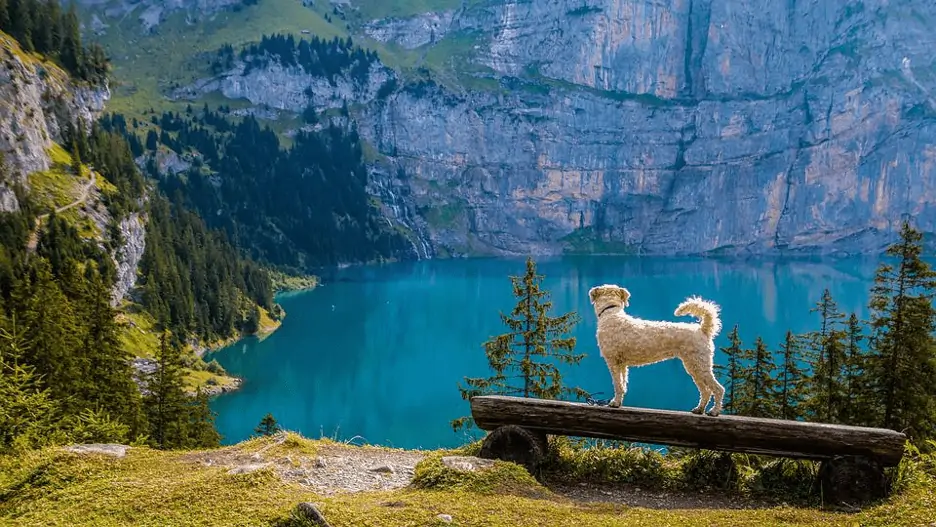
(83, 196)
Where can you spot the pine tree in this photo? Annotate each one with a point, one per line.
(75, 158)
(827, 360)
(901, 370)
(27, 411)
(72, 53)
(790, 380)
(731, 371)
(855, 360)
(21, 26)
(524, 359)
(51, 331)
(202, 433)
(759, 384)
(165, 402)
(109, 365)
(4, 15)
(268, 426)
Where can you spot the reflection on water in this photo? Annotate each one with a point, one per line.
(377, 352)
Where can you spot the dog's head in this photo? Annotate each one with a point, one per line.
(608, 295)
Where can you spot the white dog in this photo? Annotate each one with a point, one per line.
(626, 341)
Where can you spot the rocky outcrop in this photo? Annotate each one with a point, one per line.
(37, 101)
(411, 33)
(128, 256)
(291, 88)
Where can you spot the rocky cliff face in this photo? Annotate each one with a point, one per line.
(649, 126)
(37, 100)
(128, 256)
(678, 126)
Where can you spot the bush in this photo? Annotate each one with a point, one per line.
(215, 368)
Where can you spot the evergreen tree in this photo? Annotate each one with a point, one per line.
(790, 380)
(855, 360)
(901, 371)
(75, 159)
(202, 433)
(758, 385)
(827, 355)
(730, 372)
(268, 426)
(72, 54)
(21, 24)
(109, 365)
(4, 15)
(27, 411)
(165, 401)
(524, 359)
(51, 331)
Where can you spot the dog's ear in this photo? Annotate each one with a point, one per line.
(593, 294)
(624, 295)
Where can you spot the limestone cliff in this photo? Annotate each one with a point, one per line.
(677, 126)
(37, 100)
(647, 126)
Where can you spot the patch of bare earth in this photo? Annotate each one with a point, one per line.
(636, 496)
(333, 469)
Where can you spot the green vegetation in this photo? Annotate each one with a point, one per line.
(40, 26)
(149, 65)
(268, 426)
(289, 208)
(524, 359)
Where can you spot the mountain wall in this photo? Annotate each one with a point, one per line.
(677, 126)
(644, 126)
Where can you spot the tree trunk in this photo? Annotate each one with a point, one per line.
(725, 433)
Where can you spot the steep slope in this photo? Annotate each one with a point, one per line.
(640, 126)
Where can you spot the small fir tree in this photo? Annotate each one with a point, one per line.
(827, 361)
(268, 426)
(759, 384)
(732, 370)
(790, 379)
(525, 359)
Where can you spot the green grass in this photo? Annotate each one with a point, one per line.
(373, 9)
(52, 487)
(56, 187)
(444, 216)
(138, 333)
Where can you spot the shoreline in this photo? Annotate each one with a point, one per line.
(234, 383)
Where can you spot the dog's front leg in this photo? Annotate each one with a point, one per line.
(619, 378)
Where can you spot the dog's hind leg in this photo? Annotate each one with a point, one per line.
(619, 378)
(701, 383)
(719, 395)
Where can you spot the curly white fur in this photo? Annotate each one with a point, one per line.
(627, 341)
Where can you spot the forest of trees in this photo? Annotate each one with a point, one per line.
(316, 56)
(44, 27)
(879, 373)
(296, 207)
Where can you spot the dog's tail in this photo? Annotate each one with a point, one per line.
(705, 311)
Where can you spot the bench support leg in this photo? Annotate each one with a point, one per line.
(513, 443)
(852, 481)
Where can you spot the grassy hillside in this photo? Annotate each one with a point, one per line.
(259, 483)
(148, 66)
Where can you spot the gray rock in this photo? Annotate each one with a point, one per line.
(444, 517)
(310, 515)
(385, 468)
(113, 450)
(467, 463)
(319, 462)
(128, 255)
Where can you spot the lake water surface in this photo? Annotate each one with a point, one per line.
(377, 352)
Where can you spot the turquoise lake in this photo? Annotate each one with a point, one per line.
(377, 352)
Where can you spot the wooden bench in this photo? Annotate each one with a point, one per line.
(519, 426)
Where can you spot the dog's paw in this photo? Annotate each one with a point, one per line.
(614, 404)
(713, 413)
(697, 410)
